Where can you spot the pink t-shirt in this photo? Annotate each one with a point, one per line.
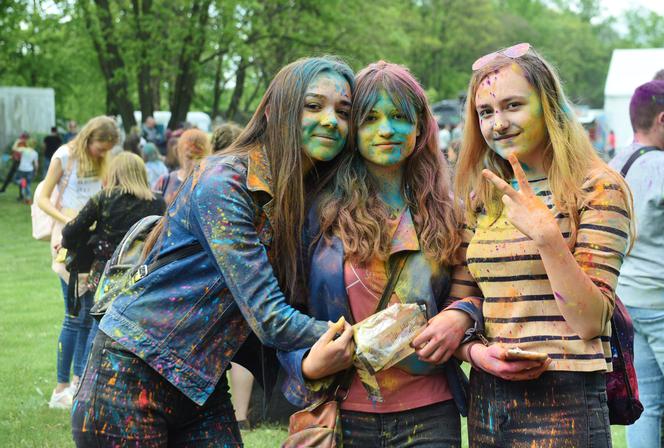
(400, 390)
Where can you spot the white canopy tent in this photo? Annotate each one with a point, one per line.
(28, 109)
(628, 70)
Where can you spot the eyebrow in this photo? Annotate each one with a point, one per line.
(504, 100)
(344, 101)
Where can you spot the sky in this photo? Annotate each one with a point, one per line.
(616, 7)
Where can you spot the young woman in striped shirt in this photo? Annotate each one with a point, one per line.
(547, 228)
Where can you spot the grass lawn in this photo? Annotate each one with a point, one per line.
(31, 309)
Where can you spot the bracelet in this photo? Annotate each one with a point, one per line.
(471, 361)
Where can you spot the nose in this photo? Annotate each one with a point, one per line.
(385, 128)
(500, 123)
(329, 118)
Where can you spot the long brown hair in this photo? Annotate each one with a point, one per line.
(97, 129)
(276, 126)
(352, 208)
(569, 158)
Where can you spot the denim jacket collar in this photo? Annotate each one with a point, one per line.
(259, 178)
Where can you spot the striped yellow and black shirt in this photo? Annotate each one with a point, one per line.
(519, 306)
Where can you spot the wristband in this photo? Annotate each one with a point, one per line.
(471, 361)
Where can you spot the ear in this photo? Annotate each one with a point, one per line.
(659, 118)
(267, 113)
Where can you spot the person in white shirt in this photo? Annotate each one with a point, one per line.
(27, 167)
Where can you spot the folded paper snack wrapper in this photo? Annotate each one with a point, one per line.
(383, 339)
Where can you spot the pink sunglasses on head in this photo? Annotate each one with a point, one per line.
(513, 52)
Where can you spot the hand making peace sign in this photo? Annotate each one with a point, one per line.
(523, 209)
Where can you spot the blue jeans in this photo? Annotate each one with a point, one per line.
(649, 364)
(122, 401)
(24, 190)
(73, 339)
(434, 426)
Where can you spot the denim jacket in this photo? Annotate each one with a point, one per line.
(189, 318)
(421, 281)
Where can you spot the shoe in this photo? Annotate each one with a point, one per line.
(72, 388)
(61, 400)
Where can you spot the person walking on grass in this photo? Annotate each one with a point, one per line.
(76, 169)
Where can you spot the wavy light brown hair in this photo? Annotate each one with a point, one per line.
(97, 129)
(569, 158)
(351, 207)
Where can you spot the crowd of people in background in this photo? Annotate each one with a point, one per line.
(361, 215)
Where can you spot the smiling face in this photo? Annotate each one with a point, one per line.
(386, 137)
(510, 114)
(325, 116)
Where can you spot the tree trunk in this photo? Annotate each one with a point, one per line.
(216, 93)
(111, 62)
(192, 48)
(240, 76)
(142, 15)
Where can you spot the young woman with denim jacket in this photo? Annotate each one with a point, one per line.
(391, 195)
(548, 225)
(156, 375)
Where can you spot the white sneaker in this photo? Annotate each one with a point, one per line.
(72, 388)
(61, 400)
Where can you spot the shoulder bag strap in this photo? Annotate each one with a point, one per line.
(65, 181)
(395, 272)
(636, 155)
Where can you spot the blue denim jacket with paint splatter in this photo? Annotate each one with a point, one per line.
(188, 319)
(421, 281)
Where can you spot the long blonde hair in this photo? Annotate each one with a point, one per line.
(352, 208)
(128, 174)
(97, 129)
(570, 160)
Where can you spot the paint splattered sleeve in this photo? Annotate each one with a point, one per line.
(223, 215)
(602, 237)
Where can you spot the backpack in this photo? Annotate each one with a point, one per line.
(621, 386)
(126, 266)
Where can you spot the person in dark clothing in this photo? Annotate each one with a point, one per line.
(125, 199)
(51, 144)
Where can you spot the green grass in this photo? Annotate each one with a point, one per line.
(31, 309)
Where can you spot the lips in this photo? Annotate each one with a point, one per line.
(505, 137)
(326, 137)
(388, 144)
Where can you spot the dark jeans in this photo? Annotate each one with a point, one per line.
(124, 402)
(434, 426)
(559, 409)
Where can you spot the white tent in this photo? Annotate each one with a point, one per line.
(628, 70)
(28, 109)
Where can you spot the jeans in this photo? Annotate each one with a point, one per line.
(74, 337)
(123, 402)
(24, 188)
(646, 432)
(434, 426)
(558, 409)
